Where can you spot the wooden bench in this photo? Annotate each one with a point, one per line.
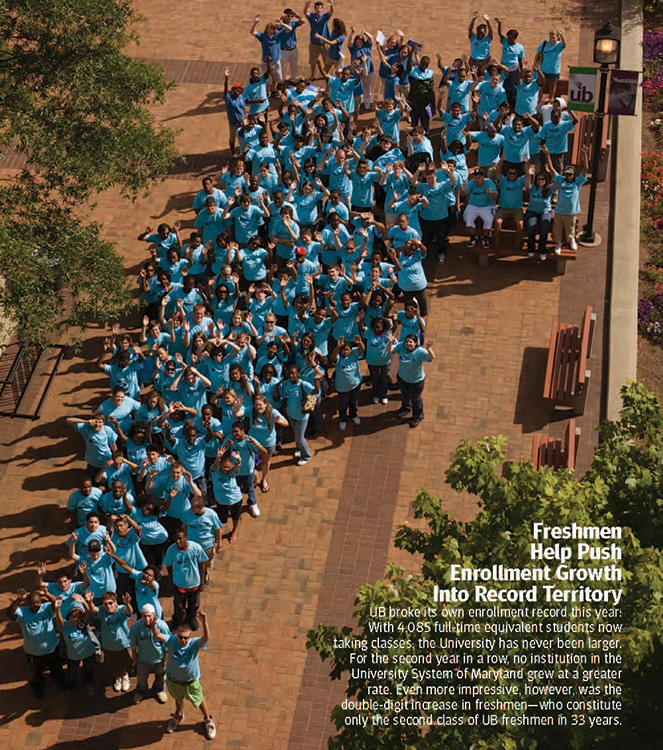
(567, 379)
(484, 253)
(583, 135)
(547, 451)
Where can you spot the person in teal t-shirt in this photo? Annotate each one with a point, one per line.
(347, 378)
(411, 376)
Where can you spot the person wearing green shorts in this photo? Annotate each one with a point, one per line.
(183, 673)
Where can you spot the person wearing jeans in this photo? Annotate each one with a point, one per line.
(347, 379)
(292, 390)
(185, 561)
(148, 653)
(378, 359)
(539, 212)
(411, 376)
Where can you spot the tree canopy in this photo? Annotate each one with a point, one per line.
(77, 107)
(511, 501)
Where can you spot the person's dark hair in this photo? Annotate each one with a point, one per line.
(412, 337)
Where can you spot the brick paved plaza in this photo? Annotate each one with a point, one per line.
(325, 528)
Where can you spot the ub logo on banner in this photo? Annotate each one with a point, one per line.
(582, 89)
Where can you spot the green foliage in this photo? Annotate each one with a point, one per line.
(77, 107)
(502, 534)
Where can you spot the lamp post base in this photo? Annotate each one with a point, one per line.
(589, 240)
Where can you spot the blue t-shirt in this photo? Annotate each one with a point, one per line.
(516, 145)
(292, 393)
(226, 489)
(235, 108)
(97, 444)
(146, 594)
(246, 222)
(556, 136)
(376, 350)
(201, 528)
(185, 562)
(490, 97)
(257, 90)
(77, 641)
(477, 195)
(101, 575)
(191, 455)
(340, 90)
(39, 634)
(411, 364)
(527, 97)
(411, 277)
(114, 629)
(162, 485)
(459, 91)
(150, 650)
(438, 207)
(539, 204)
(348, 374)
(511, 53)
(182, 664)
(568, 200)
(84, 504)
(68, 603)
(480, 48)
(271, 45)
(511, 192)
(122, 412)
(319, 25)
(552, 57)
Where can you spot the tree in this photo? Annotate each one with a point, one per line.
(76, 106)
(501, 534)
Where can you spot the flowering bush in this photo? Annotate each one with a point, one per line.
(652, 80)
(652, 186)
(650, 318)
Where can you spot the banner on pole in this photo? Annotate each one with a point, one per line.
(623, 92)
(582, 89)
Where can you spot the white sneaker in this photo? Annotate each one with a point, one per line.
(342, 425)
(543, 256)
(384, 400)
(356, 420)
(441, 257)
(558, 248)
(298, 454)
(303, 461)
(117, 685)
(254, 510)
(530, 254)
(573, 245)
(210, 728)
(126, 684)
(375, 399)
(161, 696)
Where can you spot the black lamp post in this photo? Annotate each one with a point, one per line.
(607, 41)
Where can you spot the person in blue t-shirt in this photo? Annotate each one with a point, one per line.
(115, 640)
(539, 212)
(183, 673)
(270, 41)
(100, 441)
(555, 135)
(319, 22)
(290, 21)
(510, 202)
(549, 56)
(40, 639)
(512, 59)
(148, 653)
(185, 561)
(568, 199)
(334, 43)
(411, 376)
(80, 646)
(481, 200)
(255, 93)
(528, 87)
(348, 378)
(480, 41)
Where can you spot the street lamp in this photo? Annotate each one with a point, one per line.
(607, 41)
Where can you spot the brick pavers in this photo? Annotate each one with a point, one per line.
(327, 527)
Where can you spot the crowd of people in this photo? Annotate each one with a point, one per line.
(302, 280)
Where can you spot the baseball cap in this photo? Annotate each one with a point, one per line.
(237, 87)
(147, 609)
(559, 100)
(94, 546)
(300, 250)
(568, 168)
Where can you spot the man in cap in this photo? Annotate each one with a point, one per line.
(235, 108)
(149, 653)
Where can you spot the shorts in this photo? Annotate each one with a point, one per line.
(509, 214)
(118, 662)
(225, 512)
(317, 51)
(485, 213)
(193, 692)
